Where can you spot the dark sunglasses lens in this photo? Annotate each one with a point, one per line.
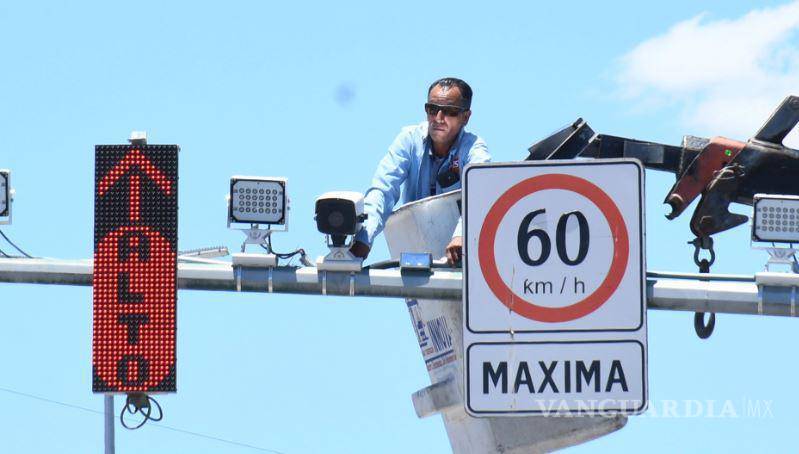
(450, 111)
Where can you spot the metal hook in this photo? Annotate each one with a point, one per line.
(704, 330)
(706, 243)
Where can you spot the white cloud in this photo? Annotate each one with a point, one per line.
(725, 75)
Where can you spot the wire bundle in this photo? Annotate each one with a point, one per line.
(5, 254)
(303, 256)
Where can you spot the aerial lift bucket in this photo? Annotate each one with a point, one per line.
(427, 226)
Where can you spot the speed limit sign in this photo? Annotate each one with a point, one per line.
(554, 293)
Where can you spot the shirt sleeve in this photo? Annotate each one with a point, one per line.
(477, 154)
(385, 189)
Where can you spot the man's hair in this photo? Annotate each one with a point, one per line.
(465, 89)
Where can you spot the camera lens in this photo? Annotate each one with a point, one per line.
(335, 219)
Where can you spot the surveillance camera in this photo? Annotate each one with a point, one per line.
(339, 213)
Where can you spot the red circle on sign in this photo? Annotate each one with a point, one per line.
(618, 264)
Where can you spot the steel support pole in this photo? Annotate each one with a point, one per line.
(109, 423)
(773, 294)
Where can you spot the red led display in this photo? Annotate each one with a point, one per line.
(135, 268)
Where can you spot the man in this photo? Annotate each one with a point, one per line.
(428, 159)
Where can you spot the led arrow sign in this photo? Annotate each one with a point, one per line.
(135, 268)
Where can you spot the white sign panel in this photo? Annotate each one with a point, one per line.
(555, 294)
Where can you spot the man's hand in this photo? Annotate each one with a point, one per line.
(455, 250)
(359, 249)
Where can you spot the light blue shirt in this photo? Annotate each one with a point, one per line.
(407, 166)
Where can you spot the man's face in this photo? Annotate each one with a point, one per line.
(443, 125)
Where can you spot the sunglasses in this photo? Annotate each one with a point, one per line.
(449, 111)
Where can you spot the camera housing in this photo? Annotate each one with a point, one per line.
(339, 214)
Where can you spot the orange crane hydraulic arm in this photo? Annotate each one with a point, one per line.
(718, 170)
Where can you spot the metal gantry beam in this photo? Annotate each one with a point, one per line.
(765, 293)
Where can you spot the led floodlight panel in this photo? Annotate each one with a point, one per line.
(776, 218)
(135, 268)
(5, 193)
(257, 200)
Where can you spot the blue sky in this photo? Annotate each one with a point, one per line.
(315, 93)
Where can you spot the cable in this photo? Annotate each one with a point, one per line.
(287, 255)
(701, 276)
(160, 426)
(141, 403)
(383, 265)
(390, 264)
(795, 264)
(222, 440)
(15, 246)
(4, 253)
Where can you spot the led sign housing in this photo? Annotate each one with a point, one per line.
(135, 268)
